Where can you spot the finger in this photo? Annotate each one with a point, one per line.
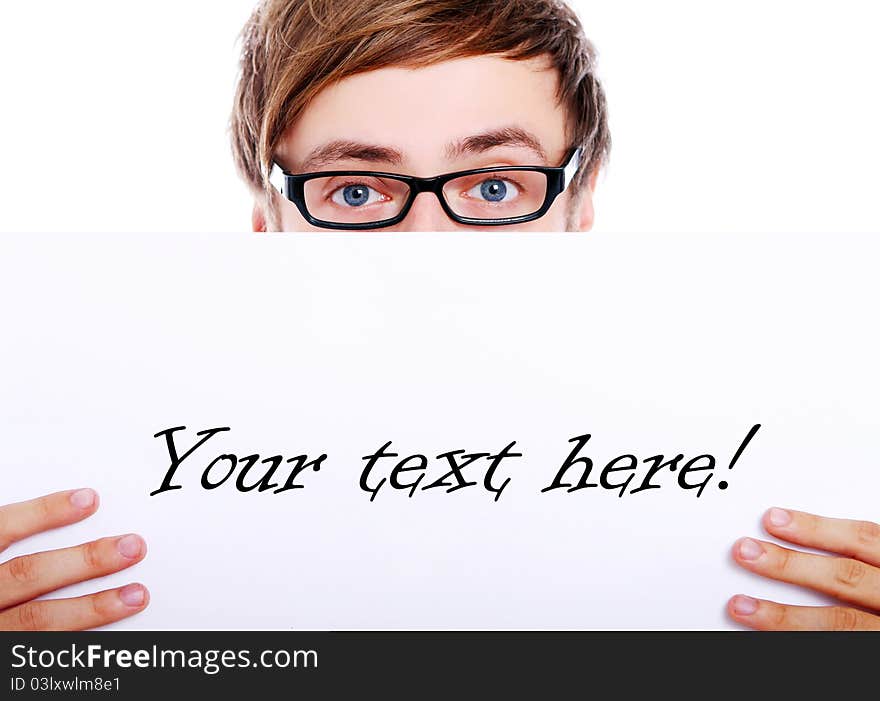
(849, 580)
(858, 539)
(26, 518)
(29, 576)
(80, 613)
(768, 615)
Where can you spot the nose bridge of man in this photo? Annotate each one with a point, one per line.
(426, 214)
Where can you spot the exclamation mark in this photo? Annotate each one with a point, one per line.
(722, 484)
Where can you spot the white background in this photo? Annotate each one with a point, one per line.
(753, 117)
(336, 343)
(746, 116)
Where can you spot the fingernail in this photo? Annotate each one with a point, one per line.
(132, 595)
(83, 498)
(750, 549)
(779, 517)
(130, 546)
(744, 605)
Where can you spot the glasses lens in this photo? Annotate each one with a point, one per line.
(502, 195)
(355, 199)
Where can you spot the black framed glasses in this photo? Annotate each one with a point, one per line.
(362, 199)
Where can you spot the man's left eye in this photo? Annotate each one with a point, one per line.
(494, 190)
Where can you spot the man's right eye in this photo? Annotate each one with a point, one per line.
(357, 195)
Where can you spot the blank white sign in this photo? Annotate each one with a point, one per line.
(336, 344)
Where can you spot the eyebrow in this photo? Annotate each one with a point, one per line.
(341, 149)
(507, 136)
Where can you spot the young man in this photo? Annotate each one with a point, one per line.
(345, 114)
(375, 92)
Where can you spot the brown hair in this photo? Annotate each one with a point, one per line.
(293, 49)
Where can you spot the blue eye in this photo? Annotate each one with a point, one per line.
(356, 195)
(494, 190)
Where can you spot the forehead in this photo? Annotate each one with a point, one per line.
(421, 110)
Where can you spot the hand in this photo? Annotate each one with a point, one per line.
(24, 578)
(854, 578)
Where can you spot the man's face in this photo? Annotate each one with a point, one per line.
(457, 115)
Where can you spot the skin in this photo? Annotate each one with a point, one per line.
(420, 113)
(23, 579)
(851, 574)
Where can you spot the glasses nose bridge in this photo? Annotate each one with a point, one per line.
(420, 185)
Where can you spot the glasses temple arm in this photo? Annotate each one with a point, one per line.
(571, 168)
(276, 178)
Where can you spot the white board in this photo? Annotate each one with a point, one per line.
(335, 344)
